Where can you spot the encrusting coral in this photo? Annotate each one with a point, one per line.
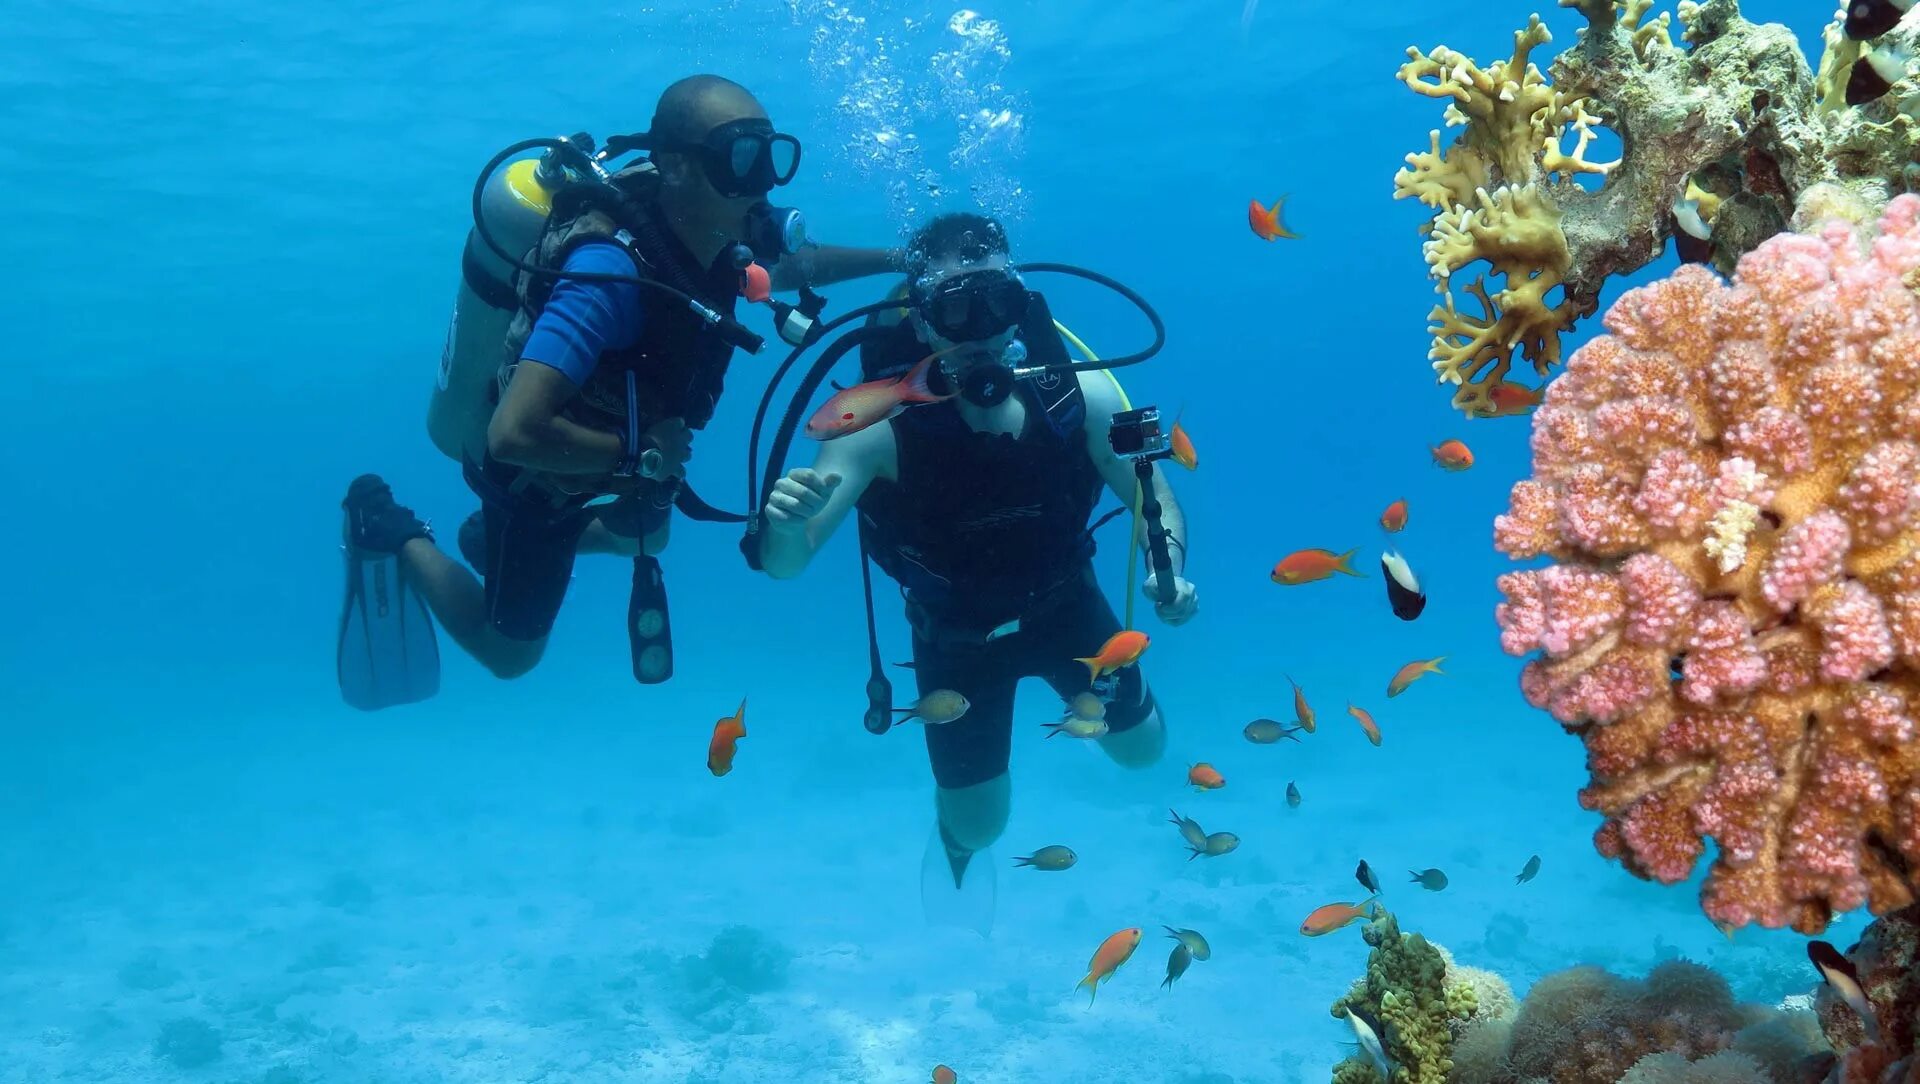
(1732, 116)
(1730, 482)
(1421, 1000)
(1679, 1025)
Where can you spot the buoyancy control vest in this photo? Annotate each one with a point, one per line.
(679, 365)
(979, 526)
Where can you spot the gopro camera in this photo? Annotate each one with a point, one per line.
(1136, 435)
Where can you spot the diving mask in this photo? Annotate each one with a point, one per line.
(973, 305)
(743, 157)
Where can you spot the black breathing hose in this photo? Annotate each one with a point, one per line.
(760, 487)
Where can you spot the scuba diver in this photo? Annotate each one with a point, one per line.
(580, 377)
(978, 504)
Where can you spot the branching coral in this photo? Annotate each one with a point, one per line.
(1408, 990)
(1680, 1025)
(1732, 116)
(1731, 482)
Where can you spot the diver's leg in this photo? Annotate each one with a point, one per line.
(969, 756)
(379, 524)
(1136, 737)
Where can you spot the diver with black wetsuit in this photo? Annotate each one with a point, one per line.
(979, 506)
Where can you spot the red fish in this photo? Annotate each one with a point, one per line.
(726, 734)
(1507, 400)
(1335, 916)
(1107, 959)
(1394, 518)
(1366, 723)
(1205, 776)
(1309, 566)
(1266, 223)
(1411, 672)
(1183, 452)
(1452, 455)
(873, 402)
(1121, 650)
(1302, 710)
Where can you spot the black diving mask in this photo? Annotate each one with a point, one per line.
(743, 157)
(972, 306)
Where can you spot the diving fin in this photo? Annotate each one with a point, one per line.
(957, 887)
(387, 652)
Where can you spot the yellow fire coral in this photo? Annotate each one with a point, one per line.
(1722, 137)
(1490, 192)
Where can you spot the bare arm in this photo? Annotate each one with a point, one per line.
(528, 430)
(823, 265)
(810, 503)
(1104, 400)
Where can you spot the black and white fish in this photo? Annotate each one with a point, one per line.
(1868, 19)
(1875, 73)
(1845, 981)
(1403, 587)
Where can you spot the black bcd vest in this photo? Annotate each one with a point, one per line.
(678, 363)
(981, 524)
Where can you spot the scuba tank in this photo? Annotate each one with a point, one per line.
(516, 201)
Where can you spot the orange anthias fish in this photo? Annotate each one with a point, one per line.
(1366, 723)
(1309, 566)
(873, 402)
(1508, 400)
(1302, 710)
(1203, 776)
(944, 1075)
(1336, 916)
(1266, 221)
(1183, 452)
(726, 734)
(1121, 650)
(1107, 959)
(1394, 518)
(1411, 672)
(1452, 455)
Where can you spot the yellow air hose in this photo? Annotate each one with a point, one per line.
(1133, 539)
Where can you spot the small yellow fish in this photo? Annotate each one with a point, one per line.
(1190, 830)
(936, 708)
(1052, 859)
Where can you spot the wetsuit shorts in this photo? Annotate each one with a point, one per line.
(1074, 624)
(529, 544)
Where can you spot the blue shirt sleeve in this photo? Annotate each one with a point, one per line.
(582, 320)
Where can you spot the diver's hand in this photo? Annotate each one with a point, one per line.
(1186, 600)
(798, 498)
(675, 443)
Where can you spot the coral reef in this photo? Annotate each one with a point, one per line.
(714, 989)
(1679, 1025)
(1887, 959)
(1732, 117)
(188, 1043)
(1729, 481)
(1407, 991)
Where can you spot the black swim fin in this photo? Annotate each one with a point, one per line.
(957, 887)
(388, 654)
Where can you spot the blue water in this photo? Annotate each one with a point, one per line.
(234, 232)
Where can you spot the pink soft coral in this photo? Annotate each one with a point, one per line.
(1730, 482)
